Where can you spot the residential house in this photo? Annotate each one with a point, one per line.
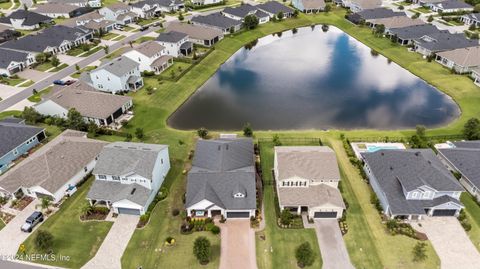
(360, 5)
(309, 6)
(150, 8)
(475, 75)
(169, 5)
(151, 56)
(412, 183)
(25, 20)
(12, 61)
(239, 13)
(118, 75)
(128, 176)
(176, 43)
(60, 10)
(17, 139)
(406, 35)
(218, 21)
(197, 34)
(307, 181)
(118, 12)
(80, 3)
(371, 14)
(93, 21)
(450, 6)
(472, 18)
(460, 60)
(273, 8)
(51, 170)
(426, 3)
(463, 157)
(436, 42)
(103, 109)
(395, 22)
(222, 180)
(205, 2)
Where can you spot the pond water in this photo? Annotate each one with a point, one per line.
(312, 79)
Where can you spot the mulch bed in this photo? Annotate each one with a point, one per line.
(6, 217)
(94, 216)
(22, 203)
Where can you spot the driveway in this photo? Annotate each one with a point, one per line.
(10, 236)
(110, 253)
(238, 245)
(451, 242)
(332, 247)
(33, 74)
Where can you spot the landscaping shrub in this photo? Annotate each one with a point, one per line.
(419, 252)
(202, 249)
(44, 241)
(175, 212)
(186, 228)
(286, 217)
(304, 255)
(215, 229)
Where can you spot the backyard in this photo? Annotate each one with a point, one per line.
(473, 215)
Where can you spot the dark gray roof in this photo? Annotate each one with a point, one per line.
(410, 169)
(222, 168)
(243, 10)
(474, 144)
(466, 160)
(31, 18)
(171, 37)
(118, 66)
(123, 158)
(13, 135)
(12, 120)
(162, 3)
(7, 56)
(415, 31)
(274, 7)
(473, 16)
(116, 191)
(442, 41)
(216, 20)
(452, 4)
(378, 13)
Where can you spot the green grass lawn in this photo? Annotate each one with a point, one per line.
(28, 83)
(38, 96)
(148, 21)
(109, 36)
(422, 10)
(83, 70)
(92, 51)
(43, 66)
(75, 51)
(12, 113)
(12, 81)
(473, 214)
(79, 240)
(58, 68)
(5, 5)
(2, 224)
(144, 39)
(174, 70)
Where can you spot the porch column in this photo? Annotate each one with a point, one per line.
(209, 213)
(409, 217)
(299, 210)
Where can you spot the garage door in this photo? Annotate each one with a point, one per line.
(444, 212)
(245, 214)
(128, 211)
(325, 215)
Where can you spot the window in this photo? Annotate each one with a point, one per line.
(85, 169)
(283, 183)
(414, 194)
(102, 177)
(117, 178)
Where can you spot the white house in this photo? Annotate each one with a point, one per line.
(118, 12)
(128, 176)
(175, 43)
(151, 56)
(80, 3)
(450, 6)
(460, 60)
(118, 75)
(239, 13)
(12, 61)
(51, 170)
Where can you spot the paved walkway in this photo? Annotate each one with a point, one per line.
(238, 245)
(332, 247)
(110, 253)
(451, 242)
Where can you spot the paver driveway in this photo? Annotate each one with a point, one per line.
(10, 236)
(110, 253)
(332, 247)
(238, 245)
(451, 243)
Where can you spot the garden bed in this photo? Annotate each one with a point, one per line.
(22, 203)
(5, 217)
(99, 213)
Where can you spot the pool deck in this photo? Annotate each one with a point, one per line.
(361, 147)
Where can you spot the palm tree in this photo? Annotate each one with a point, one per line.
(87, 209)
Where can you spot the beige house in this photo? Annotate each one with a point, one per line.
(307, 180)
(197, 34)
(395, 22)
(460, 60)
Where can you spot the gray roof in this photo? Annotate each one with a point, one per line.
(452, 4)
(243, 10)
(7, 56)
(473, 16)
(162, 3)
(56, 8)
(12, 120)
(410, 169)
(118, 66)
(466, 160)
(124, 158)
(116, 191)
(441, 41)
(415, 31)
(467, 144)
(274, 7)
(171, 37)
(31, 18)
(13, 135)
(222, 168)
(377, 13)
(216, 20)
(149, 48)
(313, 196)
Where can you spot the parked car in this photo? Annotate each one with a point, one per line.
(58, 82)
(118, 27)
(143, 28)
(32, 221)
(69, 82)
(71, 190)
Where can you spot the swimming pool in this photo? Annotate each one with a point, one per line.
(377, 148)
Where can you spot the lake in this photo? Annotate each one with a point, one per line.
(313, 79)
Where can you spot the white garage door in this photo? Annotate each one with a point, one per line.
(128, 211)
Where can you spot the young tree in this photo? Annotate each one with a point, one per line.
(77, 67)
(180, 17)
(280, 15)
(276, 140)
(106, 49)
(379, 29)
(43, 240)
(202, 133)
(471, 129)
(419, 252)
(75, 120)
(430, 18)
(55, 61)
(87, 209)
(250, 22)
(304, 255)
(328, 8)
(247, 130)
(41, 58)
(92, 128)
(31, 115)
(419, 139)
(202, 249)
(286, 217)
(149, 90)
(139, 133)
(45, 203)
(295, 13)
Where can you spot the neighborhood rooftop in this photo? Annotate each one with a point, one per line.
(464, 56)
(244, 10)
(119, 66)
(14, 134)
(397, 22)
(195, 31)
(216, 20)
(415, 31)
(466, 160)
(445, 41)
(31, 18)
(377, 13)
(149, 48)
(274, 7)
(171, 37)
(8, 56)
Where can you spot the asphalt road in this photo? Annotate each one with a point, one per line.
(42, 84)
(14, 265)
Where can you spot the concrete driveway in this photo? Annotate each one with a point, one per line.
(451, 242)
(10, 236)
(238, 245)
(332, 247)
(33, 74)
(110, 253)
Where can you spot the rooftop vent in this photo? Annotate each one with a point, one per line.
(382, 153)
(417, 153)
(219, 147)
(226, 146)
(133, 191)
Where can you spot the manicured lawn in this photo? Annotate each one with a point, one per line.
(149, 21)
(27, 84)
(12, 113)
(75, 51)
(38, 96)
(108, 2)
(12, 81)
(109, 36)
(422, 10)
(83, 70)
(58, 68)
(144, 39)
(175, 70)
(79, 240)
(44, 67)
(5, 5)
(473, 214)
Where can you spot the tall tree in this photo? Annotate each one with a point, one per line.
(75, 120)
(250, 22)
(31, 115)
(471, 129)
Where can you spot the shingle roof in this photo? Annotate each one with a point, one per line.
(7, 56)
(313, 4)
(467, 144)
(313, 196)
(118, 6)
(118, 66)
(171, 37)
(467, 57)
(87, 101)
(123, 158)
(56, 8)
(13, 135)
(116, 191)
(12, 120)
(274, 7)
(367, 4)
(377, 13)
(149, 48)
(243, 10)
(415, 31)
(223, 154)
(452, 4)
(195, 31)
(31, 18)
(445, 41)
(216, 20)
(397, 22)
(466, 160)
(161, 60)
(313, 163)
(54, 164)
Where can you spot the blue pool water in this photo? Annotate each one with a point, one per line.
(376, 148)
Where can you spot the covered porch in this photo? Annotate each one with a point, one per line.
(135, 82)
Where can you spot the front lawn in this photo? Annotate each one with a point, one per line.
(422, 10)
(143, 22)
(110, 36)
(12, 81)
(2, 224)
(72, 237)
(37, 97)
(144, 39)
(44, 67)
(83, 70)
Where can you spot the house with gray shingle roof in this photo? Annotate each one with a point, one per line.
(61, 10)
(405, 35)
(79, 3)
(128, 176)
(462, 60)
(239, 13)
(218, 21)
(432, 43)
(376, 13)
(175, 43)
(450, 6)
(151, 56)
(25, 20)
(118, 12)
(52, 169)
(273, 8)
(222, 180)
(412, 183)
(309, 6)
(12, 61)
(17, 139)
(197, 34)
(463, 157)
(472, 18)
(306, 179)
